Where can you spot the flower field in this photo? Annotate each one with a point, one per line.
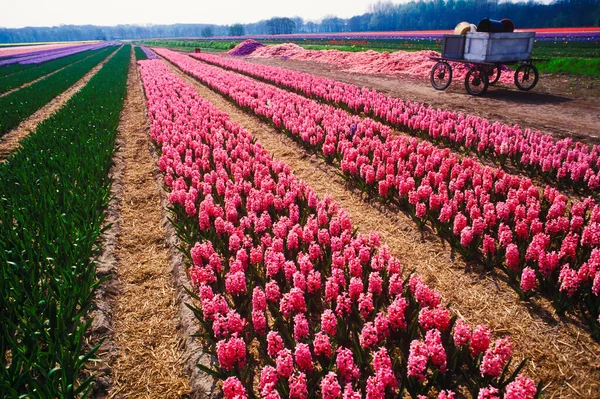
(32, 49)
(567, 162)
(45, 67)
(204, 226)
(502, 220)
(20, 104)
(277, 269)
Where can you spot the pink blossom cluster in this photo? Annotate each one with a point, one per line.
(481, 210)
(572, 163)
(256, 221)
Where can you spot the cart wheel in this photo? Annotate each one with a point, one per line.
(493, 73)
(441, 75)
(526, 77)
(476, 81)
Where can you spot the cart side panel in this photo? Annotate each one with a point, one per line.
(453, 46)
(498, 47)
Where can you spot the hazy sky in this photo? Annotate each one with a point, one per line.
(20, 13)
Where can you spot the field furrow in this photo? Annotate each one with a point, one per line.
(145, 314)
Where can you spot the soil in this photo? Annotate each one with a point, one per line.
(563, 106)
(559, 350)
(147, 360)
(10, 141)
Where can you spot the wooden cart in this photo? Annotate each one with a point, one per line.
(485, 54)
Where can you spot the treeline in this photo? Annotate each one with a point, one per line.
(440, 14)
(382, 16)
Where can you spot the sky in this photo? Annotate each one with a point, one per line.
(20, 13)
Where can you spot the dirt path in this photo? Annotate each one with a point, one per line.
(10, 141)
(561, 353)
(560, 105)
(148, 361)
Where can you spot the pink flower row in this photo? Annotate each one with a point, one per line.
(573, 164)
(481, 210)
(280, 270)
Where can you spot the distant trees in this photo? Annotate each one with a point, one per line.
(381, 16)
(280, 26)
(236, 30)
(333, 24)
(445, 14)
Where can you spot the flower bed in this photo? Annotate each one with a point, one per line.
(52, 54)
(502, 220)
(570, 163)
(18, 79)
(292, 302)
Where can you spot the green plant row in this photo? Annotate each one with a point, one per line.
(139, 54)
(14, 68)
(53, 195)
(28, 75)
(19, 105)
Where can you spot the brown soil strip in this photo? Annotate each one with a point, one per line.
(148, 361)
(10, 141)
(560, 352)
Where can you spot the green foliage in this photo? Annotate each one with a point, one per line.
(577, 66)
(139, 54)
(53, 193)
(25, 76)
(18, 105)
(14, 68)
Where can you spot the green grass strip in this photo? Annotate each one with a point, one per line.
(139, 54)
(53, 195)
(19, 105)
(575, 66)
(28, 75)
